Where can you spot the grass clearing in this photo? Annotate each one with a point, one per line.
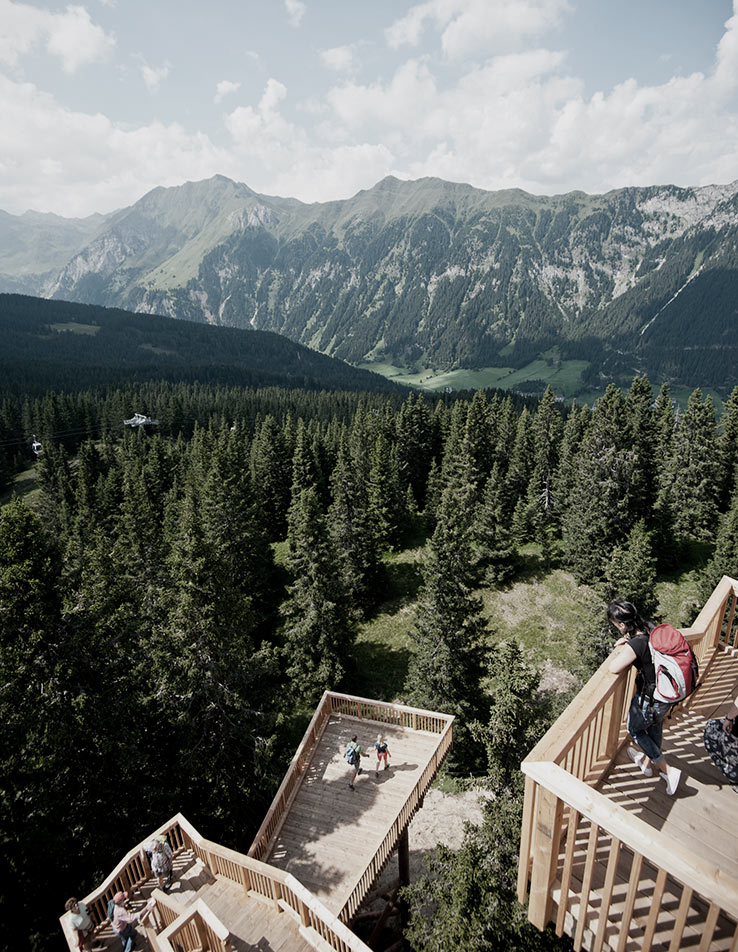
(71, 327)
(564, 376)
(25, 487)
(545, 611)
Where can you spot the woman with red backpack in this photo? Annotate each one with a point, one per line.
(646, 714)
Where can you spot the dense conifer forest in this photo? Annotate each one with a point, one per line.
(176, 598)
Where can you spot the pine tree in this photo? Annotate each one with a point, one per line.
(496, 553)
(631, 572)
(691, 475)
(727, 451)
(642, 430)
(725, 558)
(317, 632)
(386, 500)
(600, 509)
(449, 636)
(270, 477)
(576, 425)
(547, 434)
(479, 437)
(355, 535)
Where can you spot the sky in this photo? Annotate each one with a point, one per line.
(103, 100)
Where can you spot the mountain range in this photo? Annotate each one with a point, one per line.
(424, 274)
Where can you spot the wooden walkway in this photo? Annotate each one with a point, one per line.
(331, 833)
(701, 817)
(254, 926)
(315, 857)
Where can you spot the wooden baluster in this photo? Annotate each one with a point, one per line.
(730, 642)
(635, 875)
(681, 920)
(526, 837)
(734, 943)
(571, 842)
(612, 868)
(710, 923)
(594, 832)
(653, 915)
(202, 932)
(546, 838)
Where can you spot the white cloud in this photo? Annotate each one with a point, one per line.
(469, 27)
(153, 76)
(224, 88)
(71, 36)
(295, 11)
(339, 58)
(73, 163)
(515, 119)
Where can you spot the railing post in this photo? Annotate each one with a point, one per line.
(526, 839)
(546, 841)
(202, 932)
(612, 721)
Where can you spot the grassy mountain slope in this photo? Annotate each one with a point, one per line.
(64, 345)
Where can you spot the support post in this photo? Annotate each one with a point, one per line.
(546, 838)
(403, 861)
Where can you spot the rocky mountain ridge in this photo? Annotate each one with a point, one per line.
(429, 272)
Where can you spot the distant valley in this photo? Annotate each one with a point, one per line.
(425, 276)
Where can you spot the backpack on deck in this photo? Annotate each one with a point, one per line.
(352, 754)
(675, 664)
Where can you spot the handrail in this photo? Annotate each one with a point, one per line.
(258, 879)
(291, 780)
(128, 876)
(380, 712)
(704, 878)
(274, 886)
(196, 928)
(404, 815)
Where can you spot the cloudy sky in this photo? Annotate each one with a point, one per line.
(102, 100)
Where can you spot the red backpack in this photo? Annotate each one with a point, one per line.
(675, 664)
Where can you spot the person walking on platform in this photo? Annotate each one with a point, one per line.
(354, 753)
(383, 753)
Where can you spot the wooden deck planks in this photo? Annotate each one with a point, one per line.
(331, 833)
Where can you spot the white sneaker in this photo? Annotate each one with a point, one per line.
(672, 778)
(639, 759)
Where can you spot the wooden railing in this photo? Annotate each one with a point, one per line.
(265, 882)
(128, 877)
(195, 930)
(623, 838)
(331, 703)
(577, 752)
(399, 824)
(258, 881)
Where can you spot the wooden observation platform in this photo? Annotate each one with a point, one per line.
(608, 856)
(316, 856)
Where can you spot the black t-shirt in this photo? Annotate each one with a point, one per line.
(643, 661)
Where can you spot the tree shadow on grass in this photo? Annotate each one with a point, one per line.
(402, 581)
(380, 670)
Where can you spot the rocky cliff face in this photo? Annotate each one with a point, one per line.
(435, 273)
